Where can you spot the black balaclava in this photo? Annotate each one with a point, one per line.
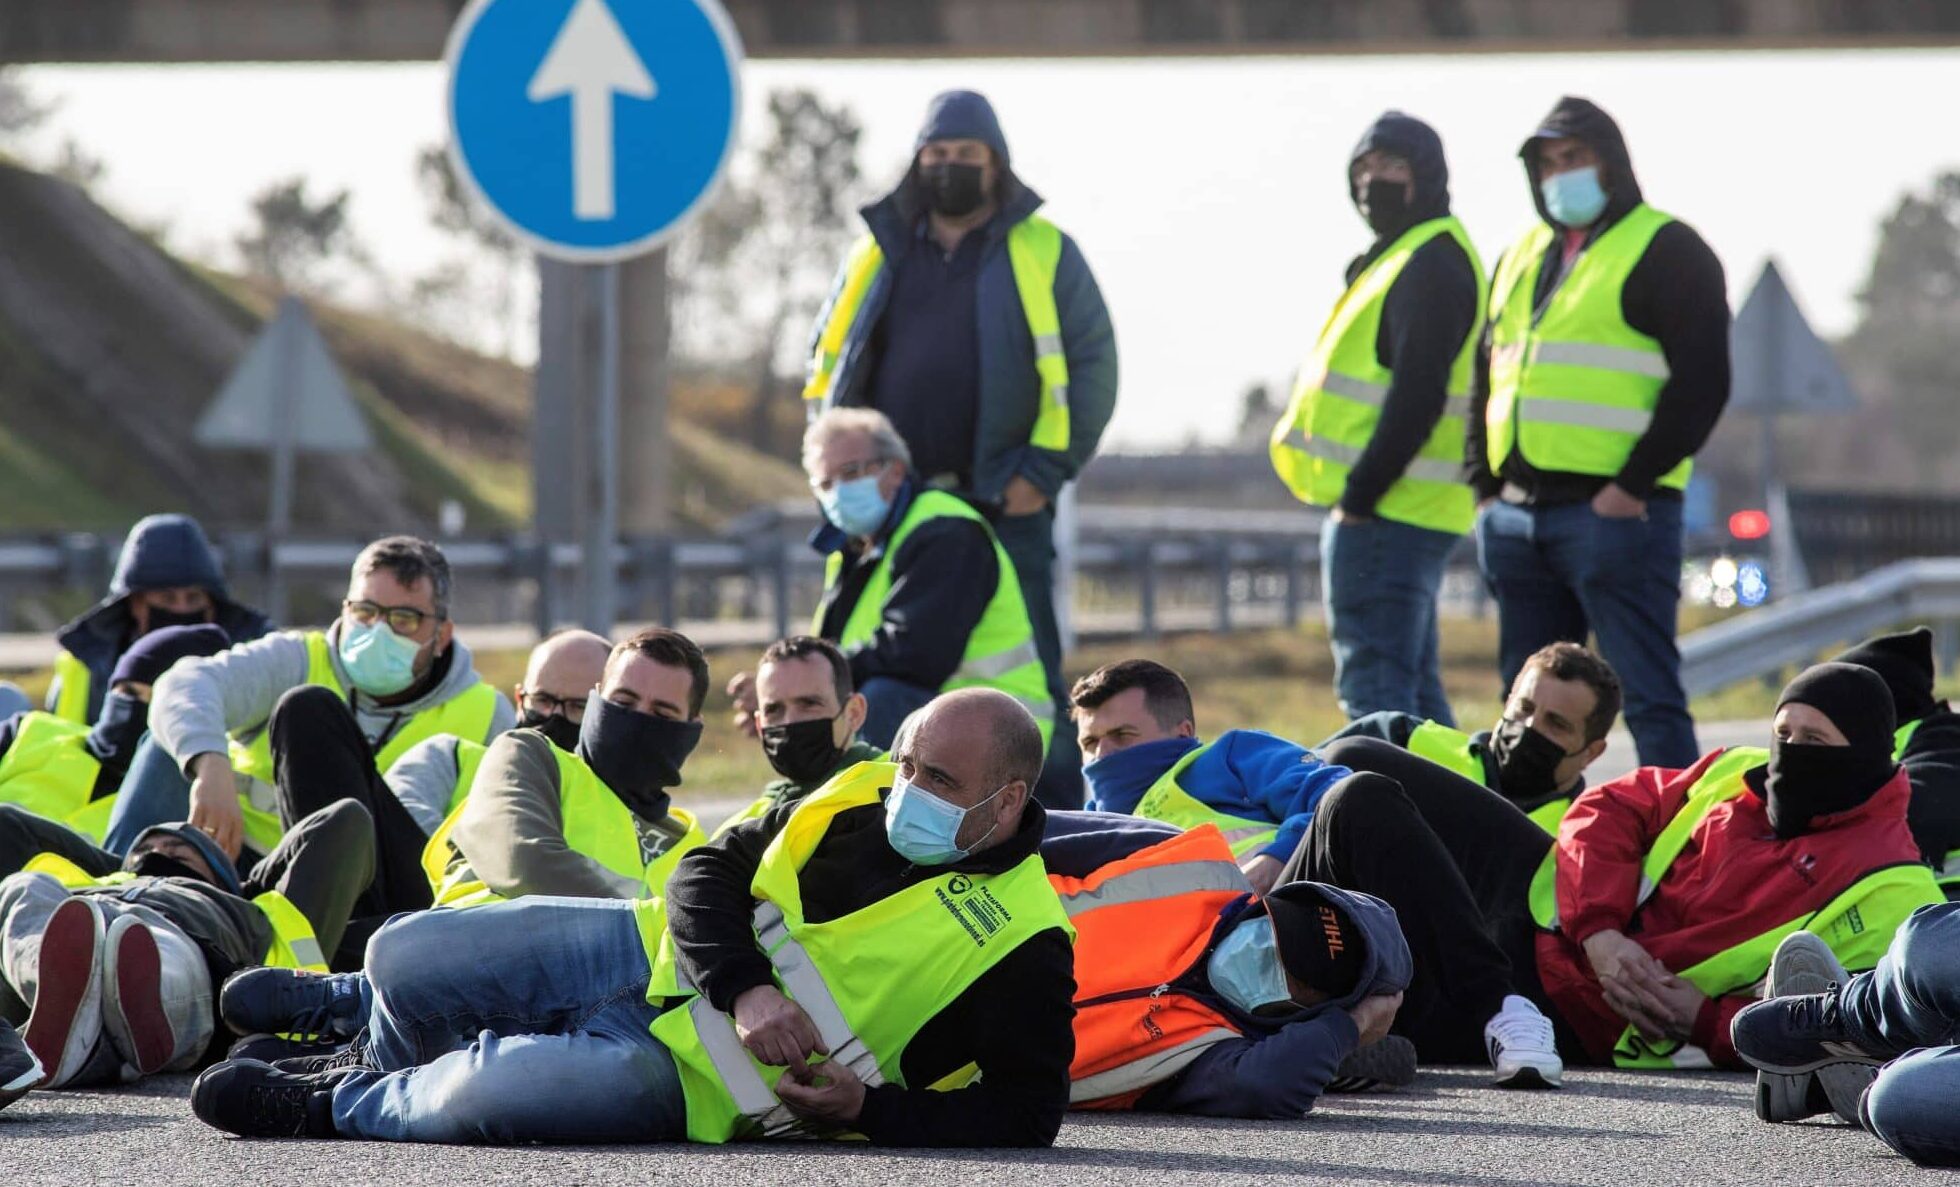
(637, 755)
(1905, 662)
(1805, 781)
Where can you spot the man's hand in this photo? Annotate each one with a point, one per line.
(1669, 1006)
(776, 1030)
(741, 687)
(1373, 1015)
(1612, 954)
(1613, 502)
(1262, 871)
(829, 1092)
(1021, 497)
(215, 807)
(1631, 980)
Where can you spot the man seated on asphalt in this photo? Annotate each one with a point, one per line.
(1643, 927)
(904, 908)
(1138, 733)
(385, 675)
(166, 575)
(1561, 707)
(918, 592)
(1881, 1049)
(1927, 745)
(1358, 831)
(67, 771)
(801, 705)
(116, 969)
(594, 822)
(1193, 995)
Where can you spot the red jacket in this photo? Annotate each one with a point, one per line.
(1733, 881)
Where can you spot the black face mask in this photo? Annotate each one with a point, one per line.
(562, 730)
(160, 618)
(1807, 780)
(154, 864)
(802, 752)
(116, 732)
(1527, 761)
(952, 189)
(1387, 204)
(636, 754)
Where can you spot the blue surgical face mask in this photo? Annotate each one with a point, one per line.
(1245, 967)
(856, 507)
(1575, 198)
(925, 829)
(378, 661)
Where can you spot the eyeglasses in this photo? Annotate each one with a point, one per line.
(849, 472)
(544, 704)
(403, 620)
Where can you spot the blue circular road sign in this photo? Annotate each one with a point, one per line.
(593, 128)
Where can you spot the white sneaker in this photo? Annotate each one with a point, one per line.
(1522, 1048)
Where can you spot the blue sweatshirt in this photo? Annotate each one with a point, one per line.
(1245, 773)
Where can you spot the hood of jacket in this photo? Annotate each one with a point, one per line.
(1582, 119)
(1387, 965)
(160, 552)
(196, 838)
(1417, 143)
(954, 115)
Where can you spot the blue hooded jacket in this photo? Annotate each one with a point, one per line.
(1010, 389)
(160, 552)
(1282, 1064)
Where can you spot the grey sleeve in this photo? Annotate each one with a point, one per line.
(512, 832)
(424, 780)
(503, 718)
(199, 701)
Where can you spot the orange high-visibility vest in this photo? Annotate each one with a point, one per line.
(1141, 923)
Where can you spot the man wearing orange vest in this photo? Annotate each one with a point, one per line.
(1193, 995)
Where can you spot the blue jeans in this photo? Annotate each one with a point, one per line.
(1380, 580)
(524, 1021)
(888, 701)
(154, 791)
(1029, 541)
(1561, 572)
(1910, 1006)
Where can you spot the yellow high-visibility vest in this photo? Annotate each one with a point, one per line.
(1170, 803)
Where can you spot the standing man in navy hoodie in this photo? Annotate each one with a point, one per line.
(1605, 367)
(975, 325)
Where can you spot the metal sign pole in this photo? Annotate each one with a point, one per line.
(279, 515)
(602, 528)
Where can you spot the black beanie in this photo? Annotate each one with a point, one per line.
(1905, 662)
(1855, 699)
(1318, 944)
(151, 656)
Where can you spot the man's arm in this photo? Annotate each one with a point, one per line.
(1476, 442)
(1603, 840)
(1390, 725)
(1678, 295)
(711, 910)
(1430, 309)
(942, 580)
(424, 780)
(199, 701)
(1017, 1020)
(1285, 779)
(1275, 1078)
(512, 830)
(1089, 343)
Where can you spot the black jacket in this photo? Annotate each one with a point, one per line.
(1932, 764)
(1428, 312)
(1015, 1022)
(942, 580)
(1676, 295)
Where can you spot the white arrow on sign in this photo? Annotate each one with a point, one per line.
(592, 60)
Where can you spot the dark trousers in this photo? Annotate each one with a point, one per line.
(1455, 860)
(1029, 541)
(320, 758)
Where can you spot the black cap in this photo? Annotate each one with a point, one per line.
(151, 656)
(1318, 943)
(1905, 662)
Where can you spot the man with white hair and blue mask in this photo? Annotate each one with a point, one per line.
(975, 325)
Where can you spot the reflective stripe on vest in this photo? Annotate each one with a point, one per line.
(72, 702)
(1034, 252)
(1170, 803)
(1000, 654)
(869, 979)
(1337, 401)
(49, 770)
(1451, 748)
(1142, 923)
(468, 714)
(1573, 386)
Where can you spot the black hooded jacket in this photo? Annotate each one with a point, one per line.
(1429, 310)
(1676, 294)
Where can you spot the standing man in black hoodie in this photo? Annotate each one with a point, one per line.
(1605, 367)
(1375, 427)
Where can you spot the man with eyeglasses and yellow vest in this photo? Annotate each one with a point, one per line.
(884, 957)
(385, 675)
(1375, 427)
(974, 324)
(1605, 367)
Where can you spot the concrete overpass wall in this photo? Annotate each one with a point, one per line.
(413, 30)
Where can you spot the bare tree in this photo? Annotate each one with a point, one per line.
(292, 236)
(20, 112)
(454, 211)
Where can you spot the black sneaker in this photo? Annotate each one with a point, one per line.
(19, 1069)
(1390, 1063)
(273, 1048)
(349, 1057)
(257, 1100)
(291, 1002)
(1807, 1061)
